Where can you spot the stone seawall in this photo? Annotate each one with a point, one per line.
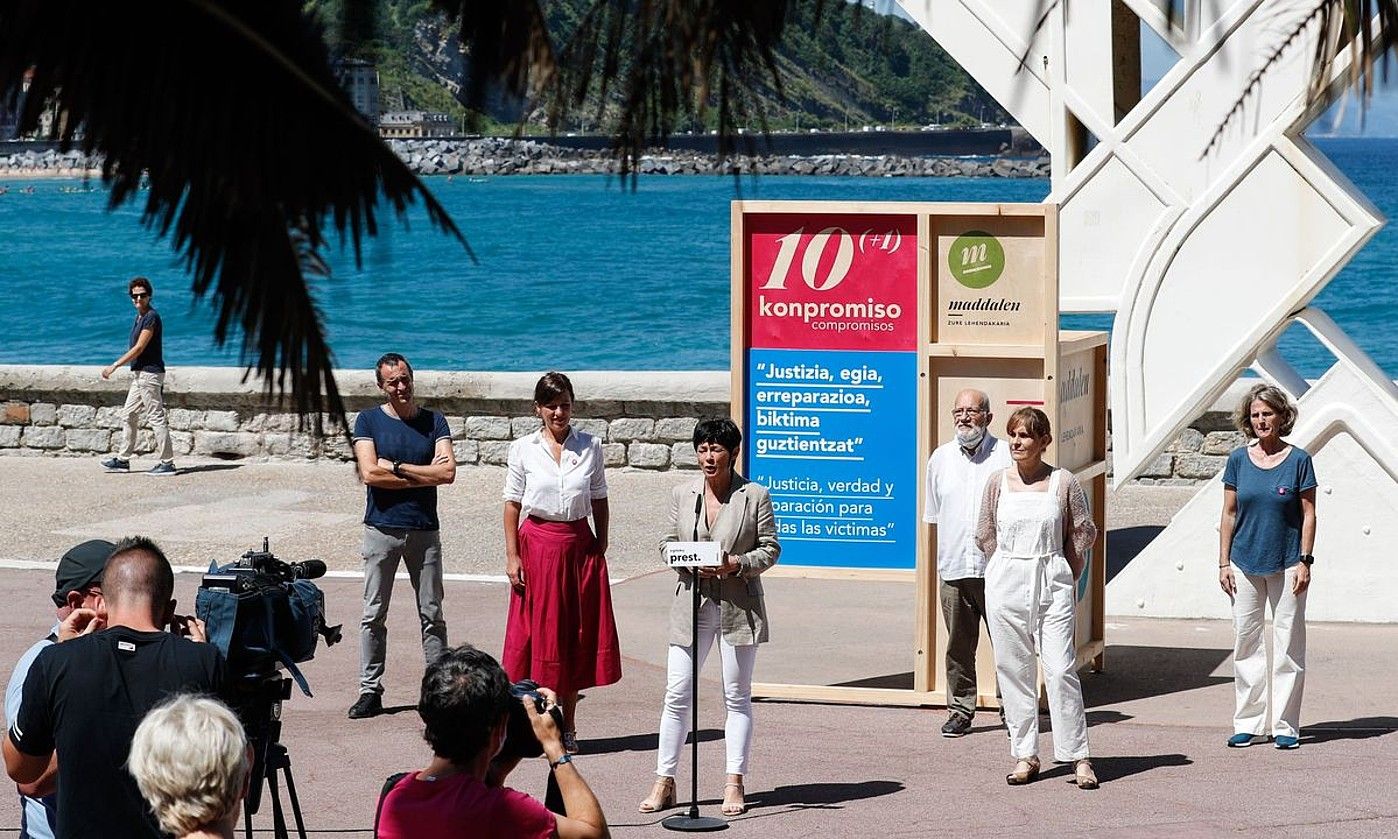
(643, 418)
(487, 156)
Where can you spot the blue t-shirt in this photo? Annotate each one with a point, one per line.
(406, 441)
(152, 358)
(1267, 529)
(38, 817)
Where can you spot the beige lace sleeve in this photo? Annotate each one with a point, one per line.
(1079, 530)
(985, 522)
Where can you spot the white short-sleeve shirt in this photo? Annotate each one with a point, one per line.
(955, 484)
(560, 490)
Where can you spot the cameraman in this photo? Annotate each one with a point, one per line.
(465, 706)
(84, 698)
(78, 585)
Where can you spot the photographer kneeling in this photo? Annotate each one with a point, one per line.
(465, 706)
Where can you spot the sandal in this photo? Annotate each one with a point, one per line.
(1026, 770)
(662, 796)
(1083, 775)
(570, 742)
(734, 805)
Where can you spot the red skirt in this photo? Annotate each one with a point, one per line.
(561, 632)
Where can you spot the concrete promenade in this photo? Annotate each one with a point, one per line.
(1158, 714)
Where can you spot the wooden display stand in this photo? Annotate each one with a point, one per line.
(982, 292)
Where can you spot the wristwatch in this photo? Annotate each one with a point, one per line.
(396, 464)
(566, 758)
(1307, 560)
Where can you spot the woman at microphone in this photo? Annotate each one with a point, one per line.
(723, 507)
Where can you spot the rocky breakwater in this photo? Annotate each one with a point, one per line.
(502, 156)
(486, 156)
(48, 162)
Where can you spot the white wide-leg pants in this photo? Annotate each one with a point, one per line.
(737, 696)
(1030, 604)
(1250, 671)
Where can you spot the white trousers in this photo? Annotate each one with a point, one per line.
(737, 696)
(1250, 671)
(1030, 605)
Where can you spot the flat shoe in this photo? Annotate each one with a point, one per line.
(1083, 775)
(662, 796)
(1026, 770)
(734, 807)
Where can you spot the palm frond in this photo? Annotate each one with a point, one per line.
(1363, 31)
(232, 112)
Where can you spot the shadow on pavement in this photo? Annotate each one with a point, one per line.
(1361, 728)
(1125, 544)
(208, 467)
(1110, 769)
(892, 681)
(821, 795)
(1135, 672)
(638, 742)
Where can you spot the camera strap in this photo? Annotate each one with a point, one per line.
(388, 786)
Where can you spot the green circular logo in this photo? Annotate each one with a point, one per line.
(976, 259)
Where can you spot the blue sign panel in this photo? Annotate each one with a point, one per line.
(833, 435)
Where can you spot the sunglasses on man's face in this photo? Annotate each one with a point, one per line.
(138, 295)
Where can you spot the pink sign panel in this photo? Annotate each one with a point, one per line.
(832, 281)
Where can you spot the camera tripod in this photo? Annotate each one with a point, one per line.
(261, 715)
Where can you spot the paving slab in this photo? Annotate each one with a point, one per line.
(1158, 715)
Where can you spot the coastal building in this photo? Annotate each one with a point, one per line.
(402, 124)
(360, 79)
(9, 116)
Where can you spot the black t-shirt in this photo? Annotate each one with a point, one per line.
(84, 699)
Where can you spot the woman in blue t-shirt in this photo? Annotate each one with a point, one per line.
(1267, 532)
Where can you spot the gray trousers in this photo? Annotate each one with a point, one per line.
(147, 392)
(421, 553)
(963, 611)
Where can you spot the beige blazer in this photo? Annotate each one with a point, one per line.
(744, 526)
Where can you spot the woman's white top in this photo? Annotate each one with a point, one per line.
(1028, 524)
(561, 490)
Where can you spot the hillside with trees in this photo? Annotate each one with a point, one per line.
(844, 69)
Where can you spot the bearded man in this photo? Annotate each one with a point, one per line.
(956, 477)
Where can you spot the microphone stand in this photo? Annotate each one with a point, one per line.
(692, 822)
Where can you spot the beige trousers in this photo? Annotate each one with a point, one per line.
(147, 392)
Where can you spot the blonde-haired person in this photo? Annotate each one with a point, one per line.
(191, 762)
(1036, 529)
(1267, 532)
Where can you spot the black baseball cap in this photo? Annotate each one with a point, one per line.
(80, 567)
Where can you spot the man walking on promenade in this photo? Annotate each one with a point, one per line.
(404, 453)
(84, 698)
(956, 476)
(147, 359)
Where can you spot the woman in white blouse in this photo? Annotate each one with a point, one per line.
(560, 632)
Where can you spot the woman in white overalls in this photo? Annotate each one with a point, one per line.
(1036, 528)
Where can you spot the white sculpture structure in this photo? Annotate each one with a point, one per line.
(1206, 244)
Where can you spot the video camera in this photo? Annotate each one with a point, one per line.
(263, 615)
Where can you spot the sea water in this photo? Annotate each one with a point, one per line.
(571, 272)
